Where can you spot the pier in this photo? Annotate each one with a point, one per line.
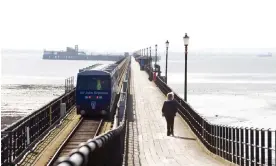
(56, 135)
(75, 54)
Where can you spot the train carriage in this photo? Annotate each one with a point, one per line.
(97, 89)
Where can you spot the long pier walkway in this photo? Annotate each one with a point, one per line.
(148, 141)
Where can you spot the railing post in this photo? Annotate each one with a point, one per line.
(210, 137)
(247, 146)
(234, 145)
(224, 143)
(238, 144)
(65, 85)
(230, 143)
(269, 147)
(217, 140)
(122, 105)
(257, 146)
(213, 138)
(50, 115)
(220, 140)
(242, 146)
(202, 131)
(262, 146)
(72, 83)
(62, 109)
(252, 145)
(10, 147)
(227, 143)
(28, 134)
(13, 147)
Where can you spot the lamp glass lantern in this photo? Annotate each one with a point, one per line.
(167, 43)
(186, 39)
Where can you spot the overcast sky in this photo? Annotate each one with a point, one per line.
(127, 25)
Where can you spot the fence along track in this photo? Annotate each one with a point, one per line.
(84, 130)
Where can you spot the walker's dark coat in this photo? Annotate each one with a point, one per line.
(169, 108)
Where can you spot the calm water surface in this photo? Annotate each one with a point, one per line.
(226, 89)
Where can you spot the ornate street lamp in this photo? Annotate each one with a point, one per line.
(166, 75)
(186, 43)
(155, 54)
(150, 59)
(148, 56)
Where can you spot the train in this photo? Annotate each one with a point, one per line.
(98, 88)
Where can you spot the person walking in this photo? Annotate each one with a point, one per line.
(169, 110)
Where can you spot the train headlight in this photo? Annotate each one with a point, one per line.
(103, 112)
(82, 112)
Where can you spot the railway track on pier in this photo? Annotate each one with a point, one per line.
(84, 130)
(87, 129)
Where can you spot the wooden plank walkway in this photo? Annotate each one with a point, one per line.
(148, 143)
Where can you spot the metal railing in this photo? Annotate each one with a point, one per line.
(21, 136)
(239, 145)
(69, 84)
(106, 149)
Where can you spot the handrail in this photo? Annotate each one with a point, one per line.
(23, 134)
(236, 144)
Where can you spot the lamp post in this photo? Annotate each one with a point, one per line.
(150, 58)
(186, 43)
(155, 55)
(166, 76)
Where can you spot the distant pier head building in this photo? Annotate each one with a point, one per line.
(75, 54)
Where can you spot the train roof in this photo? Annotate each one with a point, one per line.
(105, 69)
(110, 68)
(94, 72)
(94, 67)
(101, 69)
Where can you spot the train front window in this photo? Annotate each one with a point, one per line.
(92, 83)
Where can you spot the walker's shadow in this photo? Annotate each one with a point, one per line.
(186, 138)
